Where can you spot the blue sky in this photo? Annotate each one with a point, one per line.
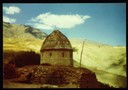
(101, 22)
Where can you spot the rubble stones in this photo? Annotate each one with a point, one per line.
(59, 76)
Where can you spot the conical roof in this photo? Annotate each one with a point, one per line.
(56, 40)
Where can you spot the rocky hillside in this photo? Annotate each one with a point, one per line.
(108, 62)
(21, 31)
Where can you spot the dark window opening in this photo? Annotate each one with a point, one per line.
(50, 54)
(71, 55)
(62, 54)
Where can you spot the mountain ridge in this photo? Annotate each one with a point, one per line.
(21, 31)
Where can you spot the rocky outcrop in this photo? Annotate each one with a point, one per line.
(9, 71)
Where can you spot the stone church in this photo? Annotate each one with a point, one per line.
(57, 50)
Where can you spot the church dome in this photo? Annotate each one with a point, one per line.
(56, 40)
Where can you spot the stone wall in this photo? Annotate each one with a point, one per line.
(57, 57)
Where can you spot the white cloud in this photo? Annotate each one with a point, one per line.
(49, 20)
(11, 10)
(42, 26)
(7, 19)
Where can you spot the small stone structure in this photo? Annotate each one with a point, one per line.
(57, 50)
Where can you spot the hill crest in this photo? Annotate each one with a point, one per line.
(21, 31)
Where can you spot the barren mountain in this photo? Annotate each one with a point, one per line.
(21, 31)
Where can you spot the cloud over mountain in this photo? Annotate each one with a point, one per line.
(11, 10)
(49, 20)
(7, 19)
